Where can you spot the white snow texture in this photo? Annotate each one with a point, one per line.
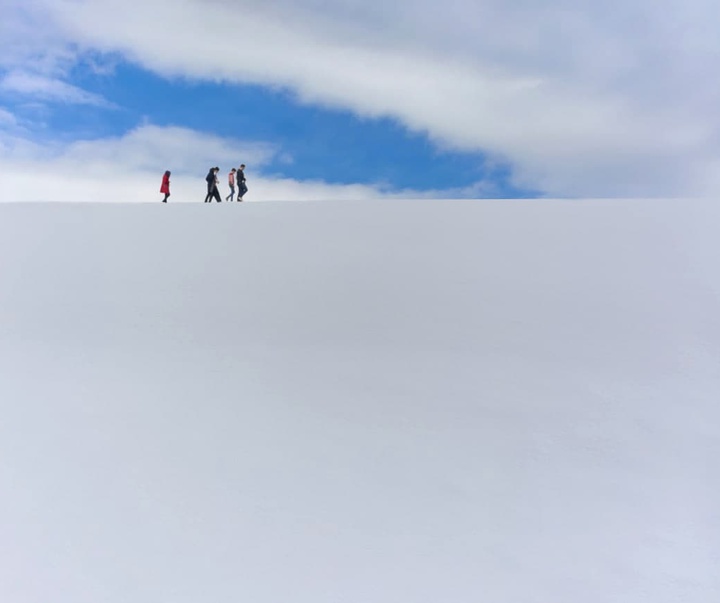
(376, 402)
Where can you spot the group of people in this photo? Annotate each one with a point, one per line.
(236, 176)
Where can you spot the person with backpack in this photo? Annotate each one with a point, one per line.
(242, 187)
(165, 186)
(231, 184)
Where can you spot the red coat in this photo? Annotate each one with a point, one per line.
(165, 186)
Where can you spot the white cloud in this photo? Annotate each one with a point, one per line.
(7, 118)
(581, 98)
(30, 39)
(129, 168)
(49, 89)
(37, 59)
(608, 99)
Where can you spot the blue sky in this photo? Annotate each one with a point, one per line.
(332, 145)
(352, 99)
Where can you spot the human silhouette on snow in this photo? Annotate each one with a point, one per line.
(165, 186)
(231, 184)
(242, 187)
(212, 183)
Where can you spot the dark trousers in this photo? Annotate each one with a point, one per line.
(242, 189)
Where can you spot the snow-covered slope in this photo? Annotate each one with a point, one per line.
(422, 402)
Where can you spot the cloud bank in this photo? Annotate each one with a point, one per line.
(580, 99)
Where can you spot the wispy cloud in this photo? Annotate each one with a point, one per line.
(30, 39)
(7, 118)
(49, 89)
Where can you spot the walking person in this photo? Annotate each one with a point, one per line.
(231, 184)
(242, 187)
(210, 179)
(212, 182)
(165, 186)
(216, 181)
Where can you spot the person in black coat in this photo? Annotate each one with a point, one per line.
(212, 180)
(240, 178)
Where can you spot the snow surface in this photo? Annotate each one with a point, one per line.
(423, 402)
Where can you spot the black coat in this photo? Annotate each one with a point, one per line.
(210, 179)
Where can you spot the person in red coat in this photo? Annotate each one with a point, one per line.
(165, 186)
